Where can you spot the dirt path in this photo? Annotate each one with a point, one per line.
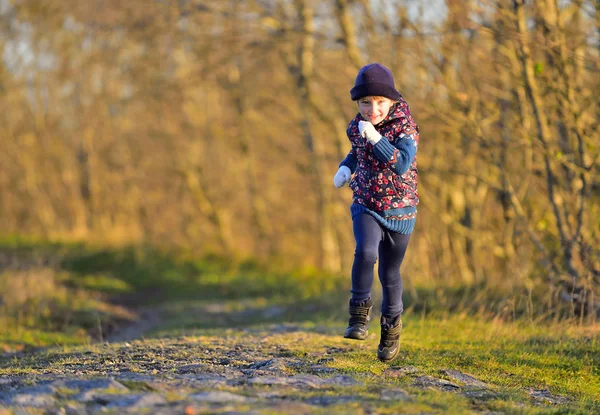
(148, 320)
(278, 369)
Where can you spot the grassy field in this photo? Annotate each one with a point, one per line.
(70, 296)
(53, 293)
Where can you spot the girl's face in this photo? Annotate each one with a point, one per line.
(374, 109)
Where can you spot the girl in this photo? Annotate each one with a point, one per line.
(384, 138)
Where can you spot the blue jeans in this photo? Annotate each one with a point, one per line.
(373, 241)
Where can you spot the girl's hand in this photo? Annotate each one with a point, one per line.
(342, 176)
(368, 131)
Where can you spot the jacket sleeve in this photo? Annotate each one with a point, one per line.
(351, 161)
(399, 154)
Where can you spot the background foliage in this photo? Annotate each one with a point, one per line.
(215, 127)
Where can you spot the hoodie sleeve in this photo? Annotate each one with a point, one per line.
(399, 154)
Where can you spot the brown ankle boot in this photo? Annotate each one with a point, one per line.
(360, 315)
(389, 344)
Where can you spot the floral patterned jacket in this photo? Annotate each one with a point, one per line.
(385, 174)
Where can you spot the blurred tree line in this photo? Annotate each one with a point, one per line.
(217, 126)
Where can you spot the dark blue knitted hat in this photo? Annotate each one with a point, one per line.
(375, 80)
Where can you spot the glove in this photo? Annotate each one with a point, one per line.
(369, 132)
(342, 176)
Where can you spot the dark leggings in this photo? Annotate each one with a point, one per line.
(372, 241)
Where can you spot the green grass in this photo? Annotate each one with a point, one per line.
(61, 293)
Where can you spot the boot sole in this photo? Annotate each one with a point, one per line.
(356, 336)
